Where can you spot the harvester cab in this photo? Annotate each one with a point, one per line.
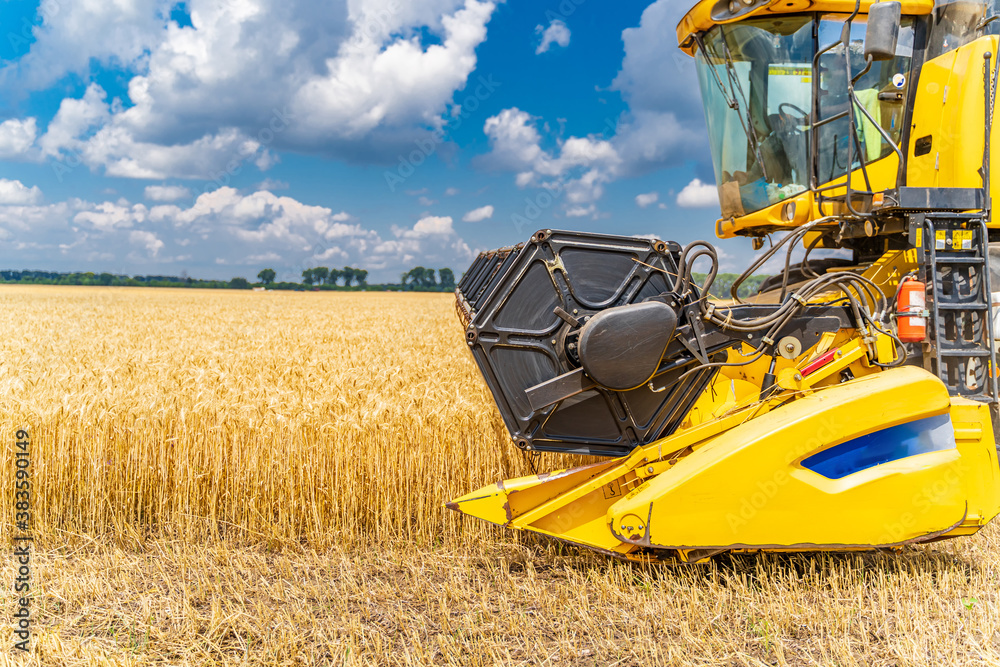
(852, 403)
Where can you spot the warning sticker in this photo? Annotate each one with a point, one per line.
(940, 239)
(961, 239)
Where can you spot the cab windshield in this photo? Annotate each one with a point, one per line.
(757, 84)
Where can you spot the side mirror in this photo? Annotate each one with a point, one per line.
(884, 19)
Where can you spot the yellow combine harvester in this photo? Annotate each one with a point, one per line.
(852, 404)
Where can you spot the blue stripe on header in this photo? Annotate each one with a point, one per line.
(933, 434)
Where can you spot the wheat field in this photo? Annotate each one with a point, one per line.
(229, 478)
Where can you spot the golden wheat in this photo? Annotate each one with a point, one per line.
(228, 478)
(332, 418)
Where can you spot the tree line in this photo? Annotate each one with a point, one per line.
(724, 281)
(318, 278)
(322, 275)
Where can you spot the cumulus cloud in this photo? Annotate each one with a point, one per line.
(358, 80)
(556, 33)
(166, 192)
(661, 126)
(73, 120)
(579, 166)
(107, 216)
(431, 225)
(698, 195)
(645, 200)
(16, 192)
(478, 214)
(431, 241)
(148, 240)
(17, 137)
(219, 228)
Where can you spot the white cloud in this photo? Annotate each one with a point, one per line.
(645, 200)
(353, 79)
(431, 225)
(556, 33)
(478, 214)
(423, 200)
(213, 156)
(581, 211)
(698, 195)
(108, 216)
(75, 118)
(166, 192)
(660, 127)
(580, 167)
(451, 192)
(16, 192)
(17, 137)
(431, 241)
(148, 240)
(221, 228)
(72, 34)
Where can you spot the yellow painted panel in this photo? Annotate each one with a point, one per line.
(700, 16)
(883, 174)
(746, 488)
(949, 112)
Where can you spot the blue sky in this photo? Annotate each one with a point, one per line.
(220, 137)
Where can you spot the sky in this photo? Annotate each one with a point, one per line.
(215, 138)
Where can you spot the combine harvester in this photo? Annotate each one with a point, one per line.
(850, 405)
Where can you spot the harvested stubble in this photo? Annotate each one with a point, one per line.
(236, 478)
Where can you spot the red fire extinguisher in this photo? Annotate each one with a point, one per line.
(911, 305)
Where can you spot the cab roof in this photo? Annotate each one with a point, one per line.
(708, 13)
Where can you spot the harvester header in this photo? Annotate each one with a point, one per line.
(852, 403)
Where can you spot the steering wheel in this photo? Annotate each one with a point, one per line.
(803, 118)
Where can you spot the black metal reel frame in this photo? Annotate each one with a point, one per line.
(521, 329)
(527, 304)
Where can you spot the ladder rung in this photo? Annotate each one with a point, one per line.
(965, 353)
(944, 259)
(963, 306)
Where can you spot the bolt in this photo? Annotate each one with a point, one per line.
(839, 354)
(553, 341)
(789, 347)
(798, 377)
(650, 470)
(575, 311)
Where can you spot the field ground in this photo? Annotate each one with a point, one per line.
(228, 478)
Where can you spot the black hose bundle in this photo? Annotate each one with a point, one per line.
(865, 299)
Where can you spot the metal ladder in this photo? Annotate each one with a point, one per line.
(959, 297)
